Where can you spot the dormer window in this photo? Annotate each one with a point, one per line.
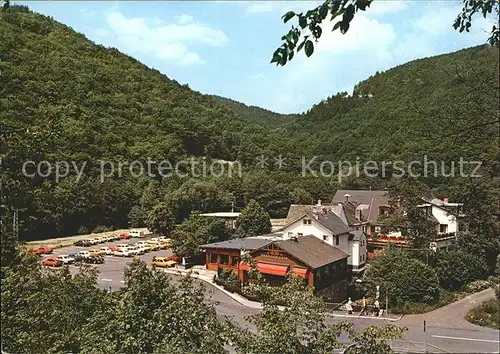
(307, 221)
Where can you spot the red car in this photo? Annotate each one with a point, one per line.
(41, 250)
(52, 262)
(176, 258)
(125, 236)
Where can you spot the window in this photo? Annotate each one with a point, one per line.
(307, 221)
(364, 258)
(234, 260)
(212, 258)
(325, 237)
(300, 234)
(224, 259)
(337, 240)
(290, 234)
(443, 228)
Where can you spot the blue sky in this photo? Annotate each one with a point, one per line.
(224, 47)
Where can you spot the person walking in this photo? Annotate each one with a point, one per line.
(363, 307)
(377, 308)
(348, 306)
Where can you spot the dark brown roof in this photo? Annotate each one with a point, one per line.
(312, 251)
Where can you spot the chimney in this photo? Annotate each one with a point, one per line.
(346, 196)
(445, 200)
(319, 202)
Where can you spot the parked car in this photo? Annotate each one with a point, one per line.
(155, 239)
(52, 262)
(65, 259)
(162, 262)
(83, 243)
(96, 252)
(84, 254)
(155, 246)
(122, 252)
(94, 241)
(124, 236)
(175, 258)
(136, 250)
(144, 247)
(41, 250)
(101, 239)
(106, 250)
(76, 257)
(94, 259)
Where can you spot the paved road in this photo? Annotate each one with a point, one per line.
(446, 329)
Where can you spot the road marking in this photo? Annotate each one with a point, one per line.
(122, 281)
(469, 339)
(106, 279)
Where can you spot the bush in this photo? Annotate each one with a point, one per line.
(101, 228)
(408, 279)
(477, 285)
(486, 314)
(457, 268)
(83, 230)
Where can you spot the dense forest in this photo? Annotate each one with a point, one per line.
(256, 114)
(64, 98)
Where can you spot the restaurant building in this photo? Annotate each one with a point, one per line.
(322, 266)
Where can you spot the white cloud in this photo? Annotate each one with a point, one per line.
(282, 7)
(382, 7)
(436, 22)
(172, 42)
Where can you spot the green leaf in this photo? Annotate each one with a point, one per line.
(309, 48)
(299, 48)
(286, 17)
(337, 25)
(290, 55)
(302, 22)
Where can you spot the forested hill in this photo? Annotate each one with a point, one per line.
(444, 106)
(256, 114)
(64, 98)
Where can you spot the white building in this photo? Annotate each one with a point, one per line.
(446, 215)
(320, 221)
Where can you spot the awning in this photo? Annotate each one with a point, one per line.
(300, 272)
(244, 266)
(272, 269)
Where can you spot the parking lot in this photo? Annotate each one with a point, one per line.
(111, 271)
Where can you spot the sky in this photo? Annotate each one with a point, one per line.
(225, 47)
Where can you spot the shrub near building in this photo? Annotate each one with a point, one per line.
(407, 279)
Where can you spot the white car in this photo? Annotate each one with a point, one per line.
(123, 252)
(155, 239)
(84, 254)
(65, 259)
(136, 250)
(107, 251)
(94, 241)
(162, 238)
(122, 245)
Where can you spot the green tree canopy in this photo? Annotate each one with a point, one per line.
(456, 268)
(252, 221)
(406, 279)
(161, 219)
(198, 230)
